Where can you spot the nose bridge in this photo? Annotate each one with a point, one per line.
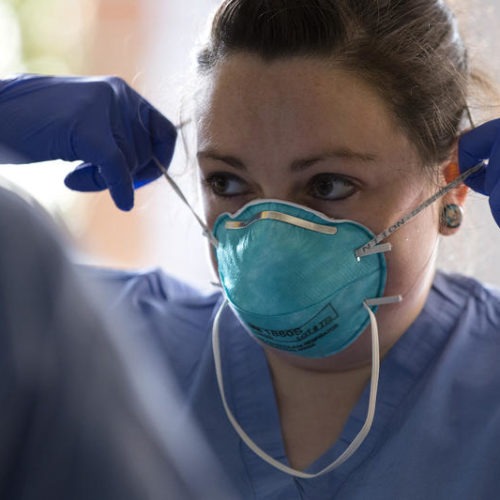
(276, 181)
(278, 193)
(272, 154)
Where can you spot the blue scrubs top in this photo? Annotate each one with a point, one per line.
(436, 433)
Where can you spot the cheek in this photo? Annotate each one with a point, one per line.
(213, 260)
(210, 213)
(413, 253)
(212, 208)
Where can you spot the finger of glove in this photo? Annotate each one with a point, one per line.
(85, 177)
(129, 122)
(122, 194)
(486, 180)
(476, 145)
(494, 202)
(102, 138)
(154, 137)
(147, 174)
(163, 137)
(492, 172)
(115, 171)
(112, 174)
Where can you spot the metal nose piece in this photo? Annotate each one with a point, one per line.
(280, 216)
(365, 250)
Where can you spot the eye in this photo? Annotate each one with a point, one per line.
(331, 187)
(224, 184)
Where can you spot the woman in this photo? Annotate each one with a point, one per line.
(321, 124)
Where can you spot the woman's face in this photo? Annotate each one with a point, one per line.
(298, 130)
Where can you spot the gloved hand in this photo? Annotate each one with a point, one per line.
(100, 121)
(479, 144)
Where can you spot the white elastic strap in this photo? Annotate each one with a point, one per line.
(384, 301)
(356, 443)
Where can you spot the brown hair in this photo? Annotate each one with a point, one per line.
(408, 50)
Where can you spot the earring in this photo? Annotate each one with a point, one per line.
(452, 216)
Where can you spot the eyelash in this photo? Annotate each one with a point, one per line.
(210, 183)
(332, 178)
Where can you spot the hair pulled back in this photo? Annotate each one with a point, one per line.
(409, 51)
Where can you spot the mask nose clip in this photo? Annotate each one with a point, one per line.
(366, 250)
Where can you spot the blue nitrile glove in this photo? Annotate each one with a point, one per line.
(479, 144)
(100, 121)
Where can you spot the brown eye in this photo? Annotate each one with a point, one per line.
(222, 184)
(331, 187)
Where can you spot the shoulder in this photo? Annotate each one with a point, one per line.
(474, 305)
(452, 356)
(148, 287)
(169, 314)
(461, 285)
(466, 315)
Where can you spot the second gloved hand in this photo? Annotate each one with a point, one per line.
(100, 121)
(483, 143)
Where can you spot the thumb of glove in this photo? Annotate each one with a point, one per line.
(88, 177)
(85, 177)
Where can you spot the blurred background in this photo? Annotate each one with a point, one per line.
(152, 45)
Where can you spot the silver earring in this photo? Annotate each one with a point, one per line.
(452, 215)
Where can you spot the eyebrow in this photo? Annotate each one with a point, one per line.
(296, 165)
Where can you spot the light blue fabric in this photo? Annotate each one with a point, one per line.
(436, 433)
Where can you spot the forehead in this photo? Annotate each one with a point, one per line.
(301, 96)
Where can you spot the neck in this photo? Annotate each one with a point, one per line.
(313, 406)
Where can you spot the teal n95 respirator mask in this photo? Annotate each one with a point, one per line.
(302, 283)
(296, 279)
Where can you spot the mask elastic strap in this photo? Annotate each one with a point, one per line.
(366, 249)
(180, 194)
(355, 444)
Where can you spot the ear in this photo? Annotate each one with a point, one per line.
(456, 196)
